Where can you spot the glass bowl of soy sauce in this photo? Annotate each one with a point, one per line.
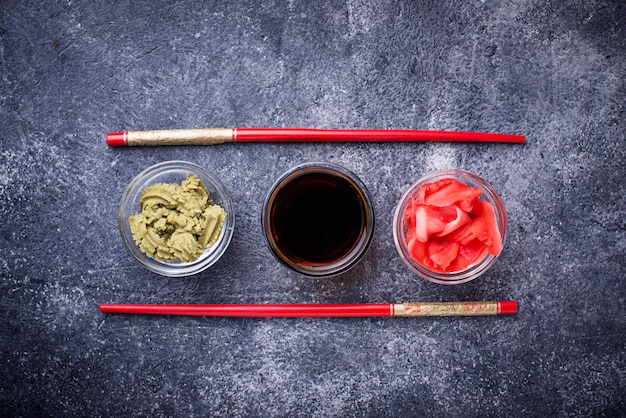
(318, 219)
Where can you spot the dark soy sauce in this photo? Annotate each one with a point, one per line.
(318, 218)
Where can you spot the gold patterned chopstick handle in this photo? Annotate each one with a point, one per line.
(454, 308)
(209, 136)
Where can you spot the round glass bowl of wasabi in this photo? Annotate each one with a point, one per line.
(175, 172)
(450, 226)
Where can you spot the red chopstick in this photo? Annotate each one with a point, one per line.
(320, 310)
(214, 136)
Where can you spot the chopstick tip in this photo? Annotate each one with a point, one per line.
(116, 139)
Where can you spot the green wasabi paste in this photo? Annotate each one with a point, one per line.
(177, 222)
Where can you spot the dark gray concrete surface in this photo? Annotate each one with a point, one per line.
(71, 71)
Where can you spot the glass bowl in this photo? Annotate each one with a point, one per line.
(318, 219)
(175, 172)
(400, 228)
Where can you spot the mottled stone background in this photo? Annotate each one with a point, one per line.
(71, 71)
